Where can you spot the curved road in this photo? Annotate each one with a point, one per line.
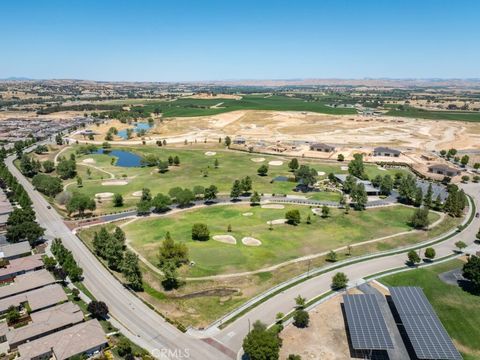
(147, 328)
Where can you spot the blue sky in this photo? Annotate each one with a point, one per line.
(218, 40)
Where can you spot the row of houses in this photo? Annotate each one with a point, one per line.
(5, 209)
(378, 151)
(52, 327)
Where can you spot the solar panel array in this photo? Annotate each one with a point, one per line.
(424, 329)
(366, 325)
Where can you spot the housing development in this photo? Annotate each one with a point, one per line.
(172, 191)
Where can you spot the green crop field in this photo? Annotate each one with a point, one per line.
(458, 310)
(412, 112)
(198, 107)
(192, 170)
(284, 242)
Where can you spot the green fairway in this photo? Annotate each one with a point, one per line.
(284, 242)
(184, 107)
(194, 165)
(458, 310)
(412, 112)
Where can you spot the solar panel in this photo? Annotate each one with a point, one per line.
(425, 331)
(366, 325)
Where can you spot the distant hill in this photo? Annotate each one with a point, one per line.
(16, 78)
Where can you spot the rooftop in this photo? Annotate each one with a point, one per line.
(23, 264)
(66, 343)
(26, 282)
(15, 249)
(37, 299)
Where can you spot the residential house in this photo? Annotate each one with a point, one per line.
(322, 147)
(445, 170)
(385, 151)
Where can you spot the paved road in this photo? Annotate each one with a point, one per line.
(232, 335)
(149, 329)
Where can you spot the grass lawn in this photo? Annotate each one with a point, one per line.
(412, 112)
(194, 164)
(458, 310)
(284, 242)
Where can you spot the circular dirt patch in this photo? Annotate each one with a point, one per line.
(275, 163)
(226, 239)
(250, 241)
(321, 173)
(258, 160)
(104, 195)
(137, 193)
(277, 222)
(89, 161)
(247, 214)
(114, 182)
(273, 206)
(210, 153)
(344, 168)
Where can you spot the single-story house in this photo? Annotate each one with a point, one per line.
(38, 299)
(385, 151)
(322, 147)
(445, 170)
(437, 189)
(15, 250)
(369, 188)
(239, 140)
(44, 323)
(27, 282)
(20, 266)
(85, 338)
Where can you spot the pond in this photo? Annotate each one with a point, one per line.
(138, 127)
(124, 158)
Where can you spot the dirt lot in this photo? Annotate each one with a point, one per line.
(324, 339)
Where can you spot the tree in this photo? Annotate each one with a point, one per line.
(124, 348)
(359, 196)
(79, 203)
(471, 271)
(25, 230)
(210, 193)
(198, 191)
(98, 309)
(377, 181)
(294, 357)
(325, 211)
(306, 176)
(228, 141)
(162, 166)
(200, 232)
(117, 200)
(170, 276)
(340, 157)
(246, 184)
(465, 179)
(146, 195)
(293, 217)
(420, 218)
(48, 185)
(171, 251)
(301, 318)
(430, 253)
(331, 256)
(143, 207)
(216, 163)
(464, 160)
(79, 181)
(236, 189)
(418, 200)
(59, 139)
(349, 184)
(184, 197)
(339, 281)
(300, 302)
(13, 315)
(50, 262)
(407, 189)
(170, 160)
(176, 161)
(131, 270)
(356, 167)
(261, 343)
(428, 199)
(413, 257)
(255, 199)
(48, 166)
(293, 164)
(66, 169)
(262, 170)
(460, 245)
(455, 202)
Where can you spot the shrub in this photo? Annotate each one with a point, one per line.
(200, 232)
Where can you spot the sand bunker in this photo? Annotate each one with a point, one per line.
(321, 173)
(275, 163)
(226, 239)
(104, 195)
(210, 153)
(114, 182)
(250, 241)
(89, 161)
(247, 214)
(277, 222)
(258, 160)
(344, 168)
(273, 206)
(137, 193)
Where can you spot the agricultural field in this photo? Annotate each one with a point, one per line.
(412, 112)
(457, 309)
(196, 168)
(277, 243)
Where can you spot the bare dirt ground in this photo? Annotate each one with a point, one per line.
(351, 130)
(324, 339)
